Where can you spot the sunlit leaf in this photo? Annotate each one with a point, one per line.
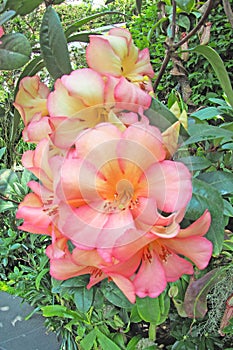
(218, 65)
(149, 309)
(15, 51)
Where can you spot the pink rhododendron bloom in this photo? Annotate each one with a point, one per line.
(31, 98)
(81, 262)
(84, 98)
(129, 183)
(116, 54)
(162, 253)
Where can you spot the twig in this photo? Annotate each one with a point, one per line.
(8, 199)
(171, 47)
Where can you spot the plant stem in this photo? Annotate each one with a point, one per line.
(152, 331)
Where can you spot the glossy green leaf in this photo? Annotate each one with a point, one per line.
(77, 25)
(54, 45)
(149, 309)
(2, 151)
(203, 132)
(83, 299)
(133, 342)
(206, 113)
(88, 342)
(222, 181)
(185, 5)
(6, 16)
(113, 294)
(7, 178)
(194, 163)
(160, 116)
(81, 37)
(105, 342)
(218, 65)
(15, 51)
(205, 197)
(6, 205)
(22, 7)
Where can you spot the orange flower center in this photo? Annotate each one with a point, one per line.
(124, 197)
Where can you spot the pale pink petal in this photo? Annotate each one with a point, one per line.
(170, 183)
(82, 225)
(198, 227)
(130, 97)
(85, 84)
(35, 218)
(61, 103)
(150, 280)
(197, 249)
(101, 57)
(174, 267)
(37, 130)
(143, 65)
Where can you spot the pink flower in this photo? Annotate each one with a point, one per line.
(31, 98)
(116, 54)
(1, 33)
(162, 253)
(84, 98)
(64, 265)
(117, 181)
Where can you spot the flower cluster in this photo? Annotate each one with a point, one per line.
(108, 193)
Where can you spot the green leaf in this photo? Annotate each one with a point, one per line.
(206, 113)
(40, 276)
(2, 151)
(194, 163)
(83, 299)
(149, 309)
(23, 7)
(15, 51)
(133, 342)
(87, 342)
(205, 197)
(81, 37)
(6, 16)
(59, 311)
(54, 45)
(222, 181)
(218, 65)
(160, 116)
(113, 294)
(105, 342)
(77, 25)
(202, 132)
(7, 178)
(228, 208)
(185, 5)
